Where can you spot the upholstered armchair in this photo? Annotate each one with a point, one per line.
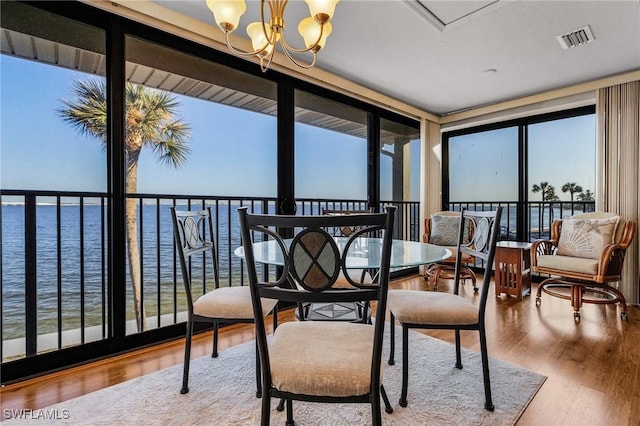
(441, 228)
(584, 254)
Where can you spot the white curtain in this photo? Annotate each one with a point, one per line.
(618, 161)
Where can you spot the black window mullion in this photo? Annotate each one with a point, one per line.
(373, 160)
(286, 149)
(116, 169)
(522, 216)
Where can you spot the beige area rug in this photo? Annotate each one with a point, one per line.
(222, 392)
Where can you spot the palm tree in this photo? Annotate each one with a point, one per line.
(586, 196)
(548, 194)
(571, 188)
(548, 191)
(149, 122)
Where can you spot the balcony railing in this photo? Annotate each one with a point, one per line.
(54, 262)
(54, 258)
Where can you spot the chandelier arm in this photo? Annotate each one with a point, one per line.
(263, 67)
(264, 24)
(286, 45)
(298, 63)
(240, 53)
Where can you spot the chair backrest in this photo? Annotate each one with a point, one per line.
(312, 262)
(193, 235)
(482, 245)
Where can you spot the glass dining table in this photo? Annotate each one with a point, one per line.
(364, 256)
(364, 253)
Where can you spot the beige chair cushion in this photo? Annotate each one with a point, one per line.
(568, 263)
(428, 307)
(324, 358)
(229, 303)
(586, 238)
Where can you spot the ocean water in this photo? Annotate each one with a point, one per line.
(71, 268)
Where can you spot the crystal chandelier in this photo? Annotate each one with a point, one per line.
(265, 34)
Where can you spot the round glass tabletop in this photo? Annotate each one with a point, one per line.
(364, 253)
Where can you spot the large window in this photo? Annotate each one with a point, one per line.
(330, 149)
(539, 168)
(483, 166)
(562, 158)
(54, 184)
(216, 139)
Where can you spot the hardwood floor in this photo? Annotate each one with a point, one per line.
(593, 367)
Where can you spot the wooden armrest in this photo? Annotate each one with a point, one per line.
(611, 260)
(542, 247)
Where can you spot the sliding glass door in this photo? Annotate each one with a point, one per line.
(539, 168)
(53, 170)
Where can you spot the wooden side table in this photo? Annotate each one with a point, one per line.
(513, 268)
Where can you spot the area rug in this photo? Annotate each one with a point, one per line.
(222, 392)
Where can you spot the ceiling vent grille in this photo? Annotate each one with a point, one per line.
(576, 37)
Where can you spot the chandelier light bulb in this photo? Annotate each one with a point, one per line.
(322, 10)
(310, 30)
(227, 13)
(259, 42)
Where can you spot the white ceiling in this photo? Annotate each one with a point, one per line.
(433, 54)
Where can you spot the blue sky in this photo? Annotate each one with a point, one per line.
(233, 152)
(484, 166)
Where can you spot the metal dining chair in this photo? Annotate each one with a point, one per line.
(193, 235)
(318, 361)
(450, 311)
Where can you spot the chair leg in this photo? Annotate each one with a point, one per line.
(488, 404)
(472, 275)
(266, 411)
(539, 294)
(392, 339)
(436, 279)
(290, 421)
(376, 415)
(577, 291)
(280, 406)
(258, 374)
(405, 366)
(458, 351)
(624, 314)
(187, 358)
(387, 405)
(216, 327)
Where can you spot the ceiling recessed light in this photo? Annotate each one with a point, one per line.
(488, 72)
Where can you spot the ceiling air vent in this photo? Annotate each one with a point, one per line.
(576, 37)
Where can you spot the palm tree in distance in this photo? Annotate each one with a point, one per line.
(571, 188)
(548, 194)
(548, 191)
(149, 120)
(586, 196)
